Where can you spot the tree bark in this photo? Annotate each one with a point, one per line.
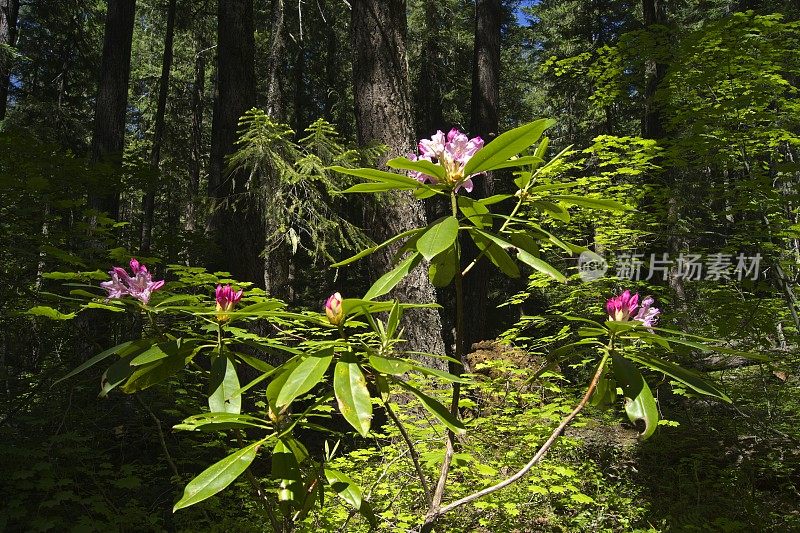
(383, 115)
(236, 222)
(149, 202)
(108, 136)
(276, 50)
(653, 128)
(429, 87)
(484, 122)
(196, 152)
(9, 11)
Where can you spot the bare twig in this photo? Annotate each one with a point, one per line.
(435, 513)
(411, 450)
(161, 438)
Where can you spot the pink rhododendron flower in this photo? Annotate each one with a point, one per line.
(140, 285)
(622, 308)
(451, 152)
(227, 298)
(648, 315)
(333, 309)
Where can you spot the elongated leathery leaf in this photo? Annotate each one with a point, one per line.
(217, 476)
(639, 401)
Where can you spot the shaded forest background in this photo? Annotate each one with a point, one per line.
(198, 134)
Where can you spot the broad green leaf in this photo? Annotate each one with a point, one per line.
(376, 187)
(123, 350)
(156, 352)
(220, 421)
(593, 203)
(443, 268)
(554, 210)
(388, 281)
(693, 379)
(379, 176)
(347, 490)
(526, 160)
(275, 386)
(438, 237)
(493, 248)
(49, 312)
(497, 198)
(224, 383)
(217, 476)
(441, 374)
(116, 374)
(476, 212)
(436, 409)
(389, 365)
(159, 370)
(639, 401)
(305, 376)
(541, 266)
(352, 396)
(426, 167)
(373, 249)
(394, 319)
(505, 146)
(286, 470)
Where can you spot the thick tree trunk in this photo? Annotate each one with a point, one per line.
(108, 136)
(383, 115)
(9, 10)
(653, 128)
(149, 202)
(237, 223)
(429, 87)
(485, 122)
(274, 100)
(196, 152)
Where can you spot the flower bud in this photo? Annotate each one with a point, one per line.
(333, 308)
(226, 300)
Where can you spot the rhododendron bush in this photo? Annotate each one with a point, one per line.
(346, 359)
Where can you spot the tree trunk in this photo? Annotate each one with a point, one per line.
(485, 122)
(383, 115)
(653, 128)
(9, 10)
(108, 135)
(236, 222)
(149, 202)
(429, 87)
(274, 100)
(196, 152)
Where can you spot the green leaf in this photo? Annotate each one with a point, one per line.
(352, 396)
(438, 237)
(123, 350)
(388, 281)
(347, 490)
(305, 376)
(554, 210)
(158, 371)
(593, 203)
(436, 409)
(220, 421)
(447, 376)
(526, 160)
(286, 470)
(223, 385)
(541, 266)
(376, 187)
(476, 212)
(49, 312)
(493, 248)
(426, 167)
(389, 365)
(373, 249)
(693, 379)
(381, 176)
(116, 374)
(505, 146)
(639, 401)
(443, 268)
(217, 476)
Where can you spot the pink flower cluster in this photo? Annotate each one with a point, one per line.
(140, 285)
(226, 298)
(451, 152)
(621, 308)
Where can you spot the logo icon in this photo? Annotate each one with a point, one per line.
(591, 266)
